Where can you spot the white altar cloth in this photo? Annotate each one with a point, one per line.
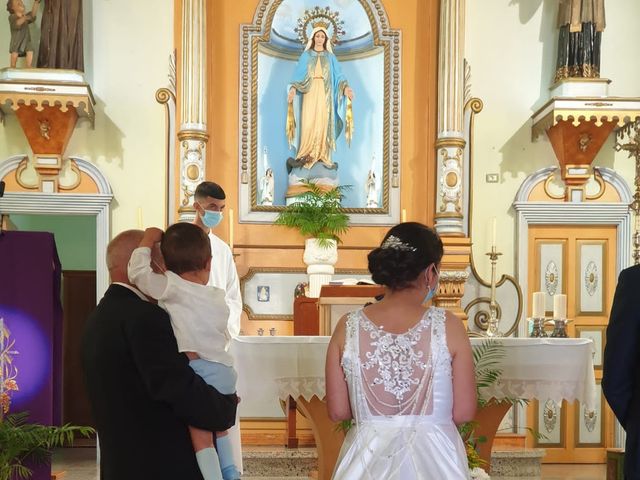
(271, 368)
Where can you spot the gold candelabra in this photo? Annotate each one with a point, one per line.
(632, 131)
(493, 326)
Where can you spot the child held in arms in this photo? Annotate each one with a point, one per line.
(199, 319)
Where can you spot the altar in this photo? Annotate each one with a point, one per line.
(273, 369)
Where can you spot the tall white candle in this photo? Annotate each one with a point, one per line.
(231, 229)
(560, 306)
(403, 217)
(537, 310)
(493, 232)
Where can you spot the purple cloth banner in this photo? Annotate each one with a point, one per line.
(31, 309)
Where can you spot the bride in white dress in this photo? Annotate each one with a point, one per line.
(402, 372)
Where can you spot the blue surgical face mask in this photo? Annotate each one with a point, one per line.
(211, 218)
(431, 291)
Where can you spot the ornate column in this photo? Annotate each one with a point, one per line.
(449, 221)
(450, 144)
(193, 103)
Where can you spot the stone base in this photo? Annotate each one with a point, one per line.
(279, 462)
(517, 462)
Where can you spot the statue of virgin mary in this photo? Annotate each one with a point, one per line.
(322, 87)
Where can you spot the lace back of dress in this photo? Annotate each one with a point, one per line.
(395, 370)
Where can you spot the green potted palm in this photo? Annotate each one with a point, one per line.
(317, 214)
(22, 443)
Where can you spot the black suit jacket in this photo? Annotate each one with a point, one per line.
(621, 371)
(143, 392)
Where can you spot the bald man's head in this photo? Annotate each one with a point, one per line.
(119, 252)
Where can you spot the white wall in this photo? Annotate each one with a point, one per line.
(511, 47)
(126, 49)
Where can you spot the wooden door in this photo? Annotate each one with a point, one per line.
(579, 261)
(78, 301)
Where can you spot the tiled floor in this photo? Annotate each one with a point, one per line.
(79, 464)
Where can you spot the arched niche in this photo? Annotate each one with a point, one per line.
(369, 54)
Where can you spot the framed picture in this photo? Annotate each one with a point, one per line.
(268, 292)
(597, 333)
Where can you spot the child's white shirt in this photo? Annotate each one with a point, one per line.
(199, 313)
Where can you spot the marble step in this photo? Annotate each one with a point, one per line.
(517, 462)
(298, 463)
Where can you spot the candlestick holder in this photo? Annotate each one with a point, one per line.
(493, 329)
(538, 327)
(560, 328)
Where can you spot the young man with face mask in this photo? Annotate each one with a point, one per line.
(209, 205)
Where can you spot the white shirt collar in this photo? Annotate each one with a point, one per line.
(133, 289)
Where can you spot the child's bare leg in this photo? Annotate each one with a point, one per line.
(29, 58)
(206, 455)
(13, 59)
(225, 452)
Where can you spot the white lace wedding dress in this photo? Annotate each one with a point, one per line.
(401, 396)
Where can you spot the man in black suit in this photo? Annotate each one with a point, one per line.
(142, 391)
(621, 370)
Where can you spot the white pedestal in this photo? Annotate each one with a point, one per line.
(581, 87)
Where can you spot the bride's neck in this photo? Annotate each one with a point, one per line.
(406, 296)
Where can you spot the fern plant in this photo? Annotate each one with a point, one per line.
(22, 442)
(317, 213)
(487, 358)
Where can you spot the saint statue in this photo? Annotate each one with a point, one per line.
(319, 79)
(371, 188)
(19, 20)
(581, 23)
(266, 188)
(323, 89)
(61, 37)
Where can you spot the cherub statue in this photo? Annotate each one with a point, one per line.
(45, 128)
(19, 20)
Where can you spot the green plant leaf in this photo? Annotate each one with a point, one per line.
(317, 214)
(21, 441)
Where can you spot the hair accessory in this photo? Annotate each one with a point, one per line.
(394, 242)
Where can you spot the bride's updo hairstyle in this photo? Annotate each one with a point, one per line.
(406, 251)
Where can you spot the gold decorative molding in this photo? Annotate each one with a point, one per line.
(578, 110)
(42, 88)
(193, 135)
(453, 274)
(452, 142)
